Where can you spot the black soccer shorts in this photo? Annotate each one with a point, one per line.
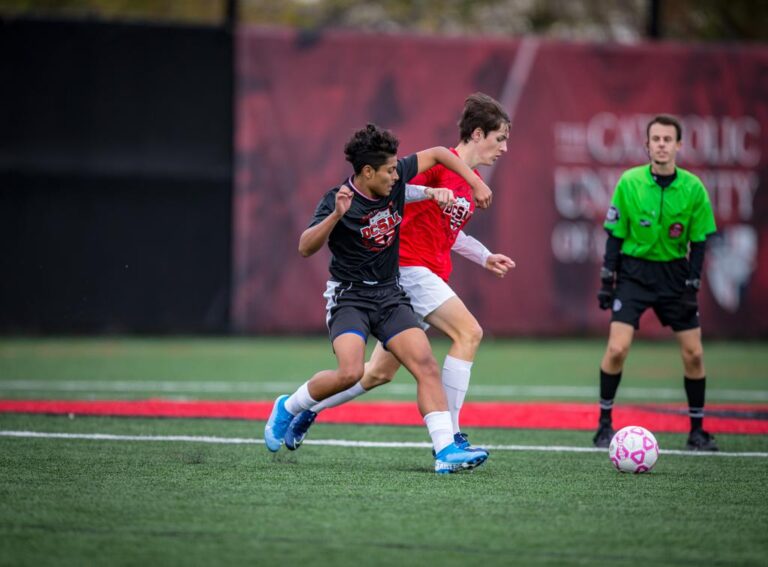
(642, 284)
(381, 310)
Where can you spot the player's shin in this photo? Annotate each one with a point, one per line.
(455, 378)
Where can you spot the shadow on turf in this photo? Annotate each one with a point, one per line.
(196, 457)
(285, 458)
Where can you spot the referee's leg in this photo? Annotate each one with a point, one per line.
(619, 342)
(695, 382)
(692, 352)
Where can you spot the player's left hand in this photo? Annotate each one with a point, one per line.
(482, 194)
(499, 264)
(443, 197)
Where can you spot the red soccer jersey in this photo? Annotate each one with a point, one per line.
(426, 232)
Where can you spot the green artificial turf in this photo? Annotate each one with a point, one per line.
(259, 368)
(166, 502)
(108, 502)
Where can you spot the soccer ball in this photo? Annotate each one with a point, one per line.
(633, 449)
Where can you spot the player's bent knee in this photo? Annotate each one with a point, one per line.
(618, 352)
(693, 357)
(378, 378)
(348, 377)
(472, 335)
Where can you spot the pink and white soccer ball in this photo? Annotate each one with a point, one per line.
(633, 449)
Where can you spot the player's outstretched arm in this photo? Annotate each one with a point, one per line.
(440, 195)
(315, 237)
(474, 250)
(439, 154)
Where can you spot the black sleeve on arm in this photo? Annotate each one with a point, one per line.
(612, 251)
(696, 259)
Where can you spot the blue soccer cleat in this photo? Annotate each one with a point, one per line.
(462, 440)
(453, 459)
(297, 430)
(278, 422)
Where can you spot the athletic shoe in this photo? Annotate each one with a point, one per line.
(462, 441)
(278, 422)
(297, 430)
(605, 433)
(452, 459)
(700, 440)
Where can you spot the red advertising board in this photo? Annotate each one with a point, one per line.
(579, 113)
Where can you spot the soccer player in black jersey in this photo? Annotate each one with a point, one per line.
(360, 220)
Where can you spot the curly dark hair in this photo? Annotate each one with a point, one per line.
(481, 111)
(370, 146)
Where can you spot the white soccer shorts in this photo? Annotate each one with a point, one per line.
(426, 290)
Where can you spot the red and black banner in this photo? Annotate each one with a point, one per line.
(578, 113)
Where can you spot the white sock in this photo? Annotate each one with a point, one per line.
(340, 398)
(439, 427)
(455, 379)
(300, 400)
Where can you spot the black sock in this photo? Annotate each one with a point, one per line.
(609, 383)
(695, 389)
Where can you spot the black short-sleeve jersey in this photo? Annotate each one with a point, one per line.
(365, 243)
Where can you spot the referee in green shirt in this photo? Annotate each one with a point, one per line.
(658, 223)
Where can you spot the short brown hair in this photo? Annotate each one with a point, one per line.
(666, 120)
(481, 111)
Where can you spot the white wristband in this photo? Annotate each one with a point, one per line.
(471, 248)
(415, 193)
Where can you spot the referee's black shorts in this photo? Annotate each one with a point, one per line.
(382, 310)
(643, 284)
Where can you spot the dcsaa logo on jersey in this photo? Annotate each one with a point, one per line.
(458, 213)
(379, 233)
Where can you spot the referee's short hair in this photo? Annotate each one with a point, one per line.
(666, 120)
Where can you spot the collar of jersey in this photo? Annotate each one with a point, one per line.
(363, 195)
(652, 181)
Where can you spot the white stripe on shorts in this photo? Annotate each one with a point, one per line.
(331, 297)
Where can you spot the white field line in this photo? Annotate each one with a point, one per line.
(337, 443)
(477, 391)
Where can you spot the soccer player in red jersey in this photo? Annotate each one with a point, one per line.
(428, 235)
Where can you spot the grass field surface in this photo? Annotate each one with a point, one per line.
(129, 491)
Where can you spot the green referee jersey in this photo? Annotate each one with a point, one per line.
(657, 224)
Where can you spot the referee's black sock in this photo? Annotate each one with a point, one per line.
(609, 383)
(694, 389)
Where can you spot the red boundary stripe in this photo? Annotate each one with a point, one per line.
(528, 415)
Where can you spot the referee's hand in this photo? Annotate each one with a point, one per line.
(605, 297)
(607, 289)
